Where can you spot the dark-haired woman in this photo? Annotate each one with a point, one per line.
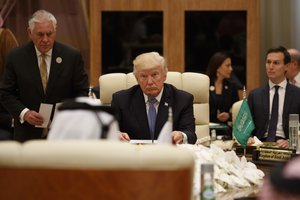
(223, 92)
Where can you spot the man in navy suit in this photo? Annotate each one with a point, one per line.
(22, 89)
(132, 105)
(260, 100)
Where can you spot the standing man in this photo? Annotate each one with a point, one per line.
(271, 105)
(7, 42)
(40, 71)
(136, 105)
(293, 70)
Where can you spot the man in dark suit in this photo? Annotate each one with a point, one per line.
(6, 128)
(261, 100)
(24, 87)
(133, 105)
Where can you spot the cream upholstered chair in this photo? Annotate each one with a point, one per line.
(198, 85)
(195, 83)
(94, 169)
(235, 110)
(111, 83)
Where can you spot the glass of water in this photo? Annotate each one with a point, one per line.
(293, 131)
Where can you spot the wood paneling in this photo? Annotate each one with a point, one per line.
(173, 32)
(50, 184)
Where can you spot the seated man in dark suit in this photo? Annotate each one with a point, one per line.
(6, 123)
(272, 125)
(133, 106)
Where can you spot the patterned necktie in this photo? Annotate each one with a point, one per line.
(43, 72)
(152, 115)
(274, 116)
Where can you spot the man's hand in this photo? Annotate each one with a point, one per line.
(124, 137)
(33, 118)
(250, 141)
(223, 117)
(282, 143)
(177, 137)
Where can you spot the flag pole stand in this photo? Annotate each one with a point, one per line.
(244, 97)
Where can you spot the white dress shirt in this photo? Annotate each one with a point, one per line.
(281, 94)
(158, 98)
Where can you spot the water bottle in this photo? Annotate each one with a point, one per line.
(293, 131)
(91, 93)
(213, 135)
(207, 182)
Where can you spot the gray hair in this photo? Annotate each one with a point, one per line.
(148, 61)
(295, 55)
(41, 16)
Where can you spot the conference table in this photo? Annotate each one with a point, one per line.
(266, 166)
(235, 194)
(230, 194)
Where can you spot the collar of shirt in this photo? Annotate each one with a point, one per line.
(297, 79)
(282, 84)
(158, 97)
(38, 53)
(281, 93)
(47, 59)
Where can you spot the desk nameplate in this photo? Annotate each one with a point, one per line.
(273, 154)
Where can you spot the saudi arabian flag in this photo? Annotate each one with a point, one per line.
(243, 125)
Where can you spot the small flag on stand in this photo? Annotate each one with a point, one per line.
(165, 135)
(243, 125)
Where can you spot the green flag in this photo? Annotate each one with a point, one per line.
(243, 125)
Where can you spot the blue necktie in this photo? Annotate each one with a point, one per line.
(152, 116)
(274, 117)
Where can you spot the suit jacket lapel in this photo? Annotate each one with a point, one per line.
(55, 68)
(287, 102)
(266, 101)
(163, 110)
(266, 105)
(34, 68)
(138, 108)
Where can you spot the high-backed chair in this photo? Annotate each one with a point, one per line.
(195, 83)
(235, 110)
(198, 85)
(94, 169)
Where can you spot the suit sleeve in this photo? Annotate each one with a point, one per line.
(187, 121)
(250, 102)
(80, 82)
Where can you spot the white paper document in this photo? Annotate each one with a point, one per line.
(45, 111)
(143, 141)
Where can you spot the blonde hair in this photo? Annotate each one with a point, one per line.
(41, 16)
(148, 61)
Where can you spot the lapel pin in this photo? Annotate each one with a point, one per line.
(58, 60)
(226, 87)
(166, 104)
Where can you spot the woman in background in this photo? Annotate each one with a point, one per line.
(222, 92)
